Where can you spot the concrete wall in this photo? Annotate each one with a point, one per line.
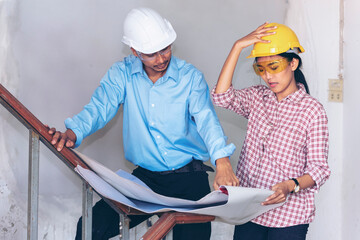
(53, 54)
(317, 23)
(350, 190)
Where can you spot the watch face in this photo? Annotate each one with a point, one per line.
(297, 188)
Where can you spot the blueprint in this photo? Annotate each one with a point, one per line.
(234, 205)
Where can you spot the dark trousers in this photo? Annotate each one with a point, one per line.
(252, 231)
(190, 185)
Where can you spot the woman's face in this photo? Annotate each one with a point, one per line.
(278, 74)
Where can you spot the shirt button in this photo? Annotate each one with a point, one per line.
(152, 105)
(173, 169)
(152, 123)
(165, 153)
(158, 136)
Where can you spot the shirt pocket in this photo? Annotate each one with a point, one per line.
(174, 117)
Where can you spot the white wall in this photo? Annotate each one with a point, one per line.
(53, 54)
(317, 25)
(350, 193)
(319, 21)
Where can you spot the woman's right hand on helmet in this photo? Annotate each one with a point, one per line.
(255, 36)
(227, 72)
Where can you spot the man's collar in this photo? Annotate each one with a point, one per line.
(137, 66)
(171, 72)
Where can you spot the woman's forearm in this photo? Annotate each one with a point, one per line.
(227, 72)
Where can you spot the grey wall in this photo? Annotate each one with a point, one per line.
(350, 193)
(55, 52)
(63, 48)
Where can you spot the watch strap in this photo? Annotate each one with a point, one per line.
(296, 185)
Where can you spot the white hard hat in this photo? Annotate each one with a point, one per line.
(146, 31)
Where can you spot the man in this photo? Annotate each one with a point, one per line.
(169, 128)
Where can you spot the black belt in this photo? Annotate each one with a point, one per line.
(193, 166)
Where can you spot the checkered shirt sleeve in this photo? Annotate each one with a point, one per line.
(238, 101)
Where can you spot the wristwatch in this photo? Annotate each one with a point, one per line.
(297, 186)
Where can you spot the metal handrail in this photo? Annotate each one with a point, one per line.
(38, 132)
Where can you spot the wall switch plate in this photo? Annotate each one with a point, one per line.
(335, 90)
(335, 96)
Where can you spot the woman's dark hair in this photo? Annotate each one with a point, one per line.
(299, 76)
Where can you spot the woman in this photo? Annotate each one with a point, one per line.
(286, 145)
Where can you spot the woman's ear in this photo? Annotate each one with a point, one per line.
(294, 64)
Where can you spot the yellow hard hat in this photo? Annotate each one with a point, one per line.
(282, 41)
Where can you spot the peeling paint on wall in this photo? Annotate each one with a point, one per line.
(12, 214)
(13, 222)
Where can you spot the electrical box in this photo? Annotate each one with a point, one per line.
(335, 90)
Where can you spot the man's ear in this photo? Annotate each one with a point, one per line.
(134, 52)
(294, 64)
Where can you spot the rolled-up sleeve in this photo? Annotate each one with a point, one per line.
(223, 99)
(317, 150)
(208, 124)
(236, 100)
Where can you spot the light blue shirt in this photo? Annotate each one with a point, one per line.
(166, 124)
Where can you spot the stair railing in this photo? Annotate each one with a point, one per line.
(38, 132)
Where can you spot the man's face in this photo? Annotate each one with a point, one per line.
(155, 62)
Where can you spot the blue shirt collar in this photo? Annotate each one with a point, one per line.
(172, 71)
(136, 66)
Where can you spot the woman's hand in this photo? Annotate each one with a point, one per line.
(256, 36)
(281, 190)
(227, 71)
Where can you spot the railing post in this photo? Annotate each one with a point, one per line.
(87, 198)
(33, 186)
(124, 227)
(169, 236)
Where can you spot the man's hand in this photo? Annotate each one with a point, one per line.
(68, 138)
(281, 190)
(224, 174)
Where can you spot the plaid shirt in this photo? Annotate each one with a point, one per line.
(284, 140)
